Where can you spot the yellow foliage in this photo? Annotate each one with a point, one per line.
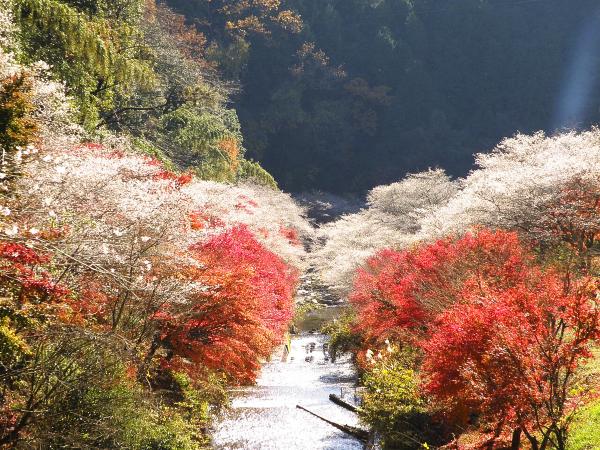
(289, 21)
(12, 347)
(230, 147)
(17, 127)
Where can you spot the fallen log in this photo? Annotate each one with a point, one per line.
(352, 431)
(344, 404)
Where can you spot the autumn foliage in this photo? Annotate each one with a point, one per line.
(242, 312)
(23, 272)
(501, 338)
(117, 270)
(405, 290)
(512, 355)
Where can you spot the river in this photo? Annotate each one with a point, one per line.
(265, 417)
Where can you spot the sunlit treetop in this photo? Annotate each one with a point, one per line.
(391, 219)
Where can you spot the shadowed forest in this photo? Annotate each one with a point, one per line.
(365, 91)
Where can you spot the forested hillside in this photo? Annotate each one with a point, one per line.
(150, 267)
(136, 67)
(145, 264)
(355, 93)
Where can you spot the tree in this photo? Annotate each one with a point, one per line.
(239, 314)
(115, 268)
(106, 245)
(452, 88)
(396, 291)
(543, 187)
(18, 128)
(207, 141)
(220, 18)
(92, 46)
(512, 356)
(572, 217)
(391, 220)
(502, 338)
(251, 171)
(392, 403)
(7, 27)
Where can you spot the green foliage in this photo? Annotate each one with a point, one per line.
(232, 58)
(197, 397)
(84, 397)
(94, 49)
(125, 11)
(253, 171)
(585, 430)
(391, 404)
(121, 416)
(205, 141)
(343, 338)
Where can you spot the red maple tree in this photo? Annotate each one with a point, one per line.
(511, 356)
(502, 339)
(404, 290)
(238, 315)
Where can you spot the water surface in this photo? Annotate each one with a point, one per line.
(265, 417)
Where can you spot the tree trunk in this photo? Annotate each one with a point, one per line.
(516, 439)
(545, 441)
(11, 438)
(143, 367)
(561, 443)
(534, 443)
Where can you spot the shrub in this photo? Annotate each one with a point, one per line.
(392, 404)
(343, 337)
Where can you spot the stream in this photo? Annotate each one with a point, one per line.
(265, 417)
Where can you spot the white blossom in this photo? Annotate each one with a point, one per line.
(392, 219)
(516, 185)
(11, 231)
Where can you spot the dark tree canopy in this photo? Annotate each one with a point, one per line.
(371, 89)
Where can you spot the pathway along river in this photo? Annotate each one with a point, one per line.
(265, 417)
